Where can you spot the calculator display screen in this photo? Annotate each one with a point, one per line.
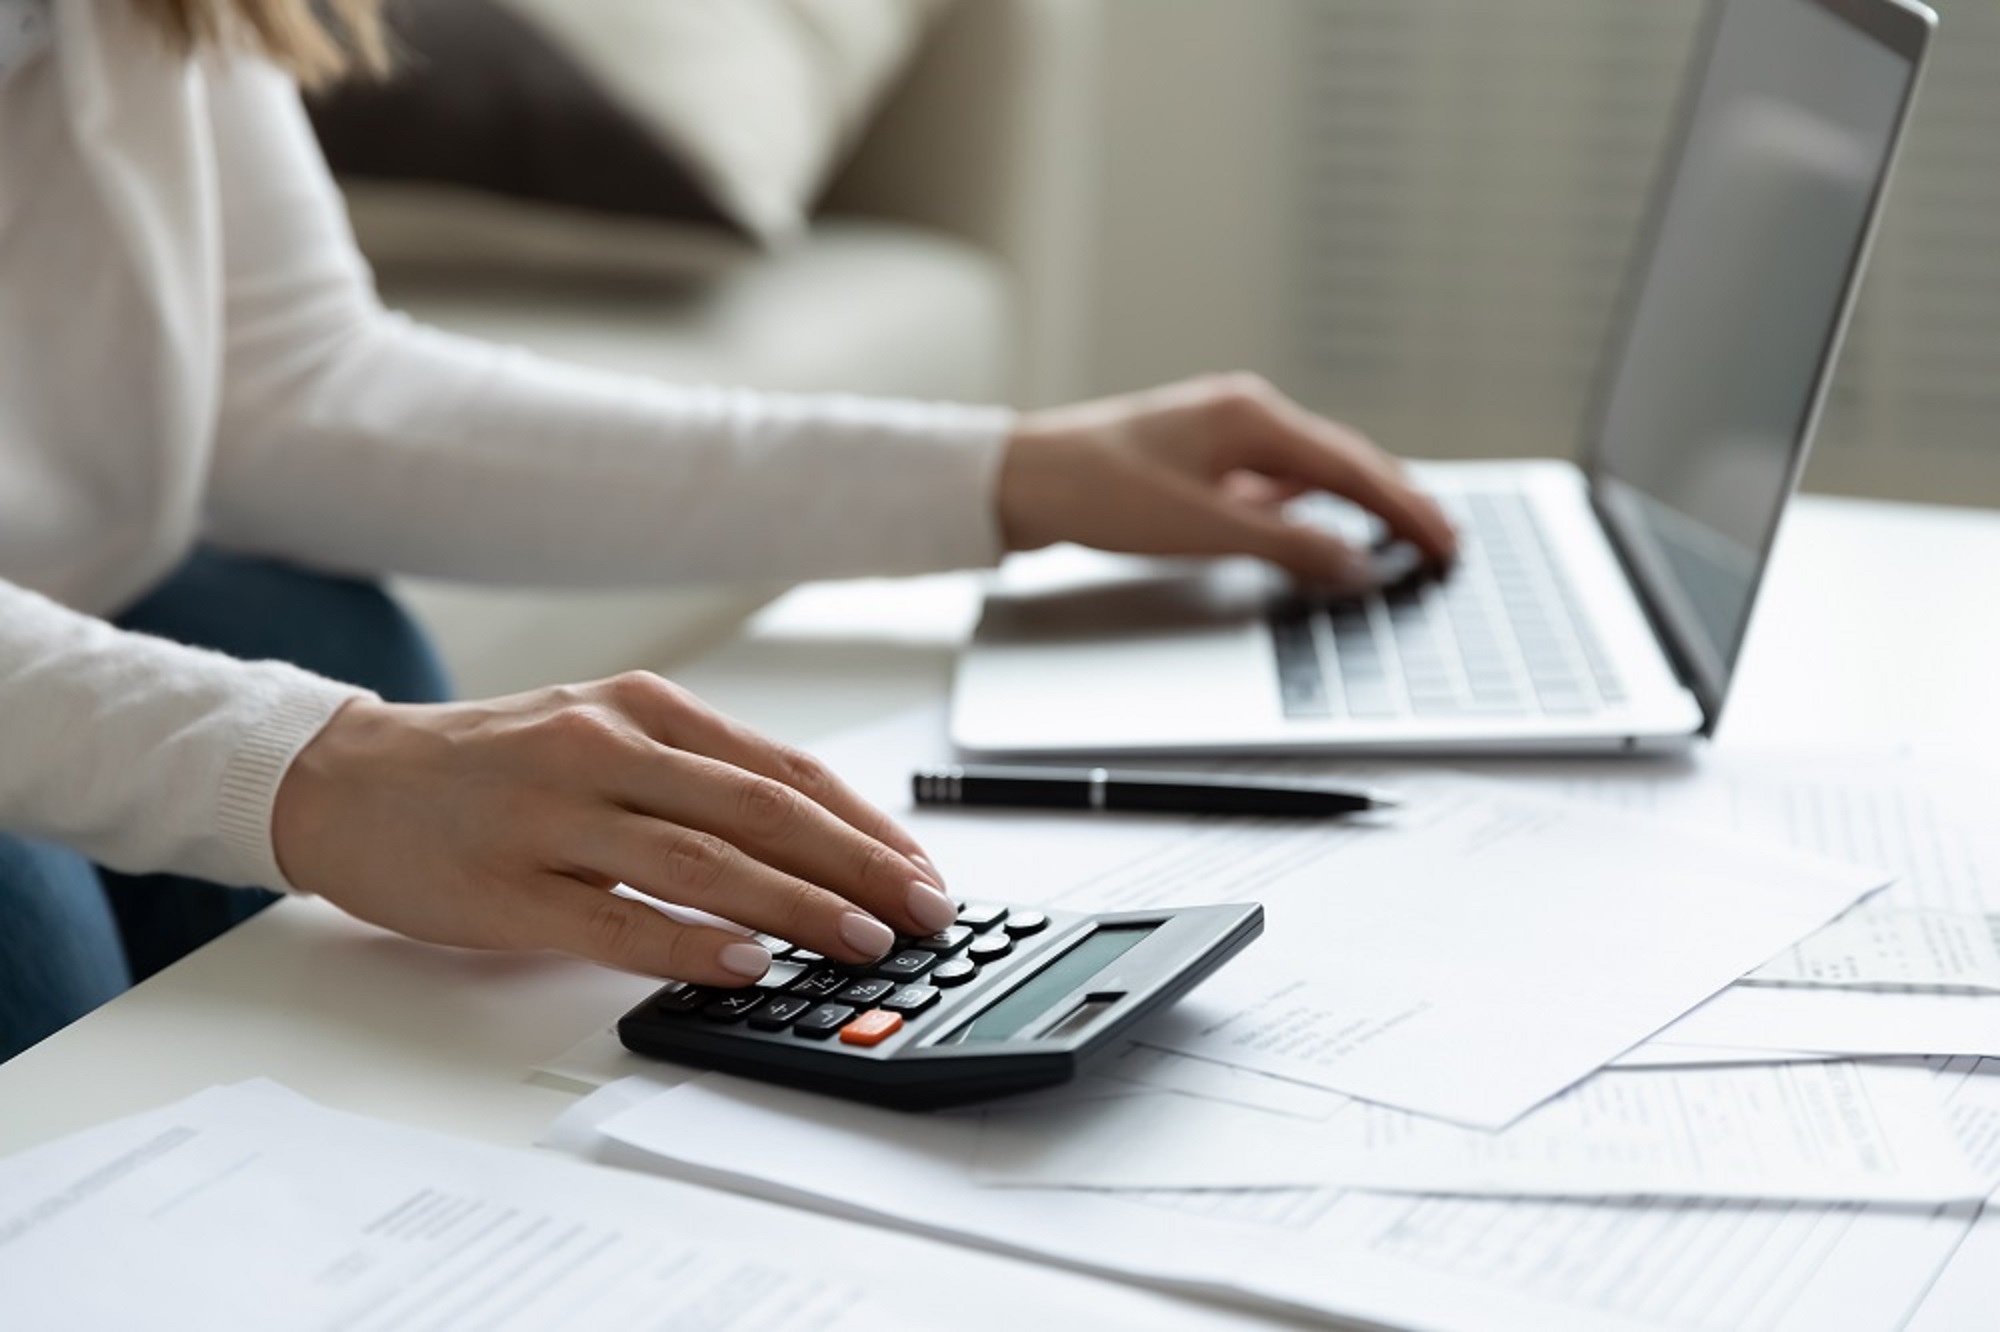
(1019, 1010)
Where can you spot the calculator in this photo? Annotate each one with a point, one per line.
(1006, 1000)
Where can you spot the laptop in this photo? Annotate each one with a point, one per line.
(1595, 607)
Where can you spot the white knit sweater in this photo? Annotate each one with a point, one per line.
(190, 348)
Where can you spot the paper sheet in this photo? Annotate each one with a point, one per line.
(1496, 951)
(250, 1207)
(1967, 1293)
(1800, 1131)
(1857, 1022)
(599, 1059)
(1673, 1054)
(1928, 821)
(1481, 1265)
(1867, 948)
(1469, 958)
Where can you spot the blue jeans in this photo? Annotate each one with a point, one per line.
(73, 935)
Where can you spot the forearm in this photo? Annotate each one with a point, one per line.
(350, 438)
(400, 448)
(143, 754)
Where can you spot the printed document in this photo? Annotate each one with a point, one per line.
(1468, 957)
(1856, 1022)
(1869, 948)
(1928, 822)
(1860, 986)
(249, 1207)
(1804, 1131)
(1480, 1265)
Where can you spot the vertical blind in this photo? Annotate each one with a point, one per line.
(1471, 179)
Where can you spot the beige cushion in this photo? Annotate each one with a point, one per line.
(859, 306)
(601, 137)
(443, 229)
(761, 98)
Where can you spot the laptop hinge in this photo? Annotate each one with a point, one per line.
(1673, 645)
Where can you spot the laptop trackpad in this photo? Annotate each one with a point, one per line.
(1068, 594)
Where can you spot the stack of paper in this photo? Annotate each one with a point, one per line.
(249, 1207)
(1433, 1095)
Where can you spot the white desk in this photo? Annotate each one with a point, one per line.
(1878, 627)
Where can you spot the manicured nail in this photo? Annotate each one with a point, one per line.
(747, 960)
(865, 934)
(932, 909)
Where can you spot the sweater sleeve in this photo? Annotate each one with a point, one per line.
(351, 438)
(143, 754)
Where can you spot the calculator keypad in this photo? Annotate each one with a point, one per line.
(778, 1012)
(911, 1000)
(872, 1028)
(865, 991)
(990, 947)
(944, 941)
(823, 1021)
(822, 982)
(865, 1004)
(945, 1019)
(981, 916)
(780, 975)
(954, 973)
(732, 1005)
(1024, 923)
(904, 965)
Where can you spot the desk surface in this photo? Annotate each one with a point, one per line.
(1876, 629)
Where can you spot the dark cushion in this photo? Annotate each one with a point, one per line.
(483, 101)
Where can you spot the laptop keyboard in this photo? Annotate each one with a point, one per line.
(1502, 636)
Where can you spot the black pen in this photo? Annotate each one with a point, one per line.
(1162, 792)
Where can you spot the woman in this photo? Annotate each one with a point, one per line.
(201, 400)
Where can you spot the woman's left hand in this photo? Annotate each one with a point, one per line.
(1204, 467)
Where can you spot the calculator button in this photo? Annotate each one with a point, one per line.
(865, 991)
(871, 1028)
(822, 1021)
(910, 1000)
(1024, 923)
(682, 999)
(807, 956)
(733, 1007)
(957, 971)
(773, 945)
(906, 964)
(989, 946)
(944, 941)
(982, 916)
(779, 974)
(821, 983)
(778, 1012)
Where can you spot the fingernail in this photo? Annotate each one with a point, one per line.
(747, 960)
(923, 863)
(865, 934)
(932, 909)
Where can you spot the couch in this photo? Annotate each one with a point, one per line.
(950, 260)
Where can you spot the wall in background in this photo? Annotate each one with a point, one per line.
(1415, 214)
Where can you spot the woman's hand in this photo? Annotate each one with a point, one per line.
(505, 824)
(1203, 468)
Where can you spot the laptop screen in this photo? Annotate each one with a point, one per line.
(1738, 299)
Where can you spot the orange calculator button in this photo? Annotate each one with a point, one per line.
(872, 1028)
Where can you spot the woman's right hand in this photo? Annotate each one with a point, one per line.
(506, 823)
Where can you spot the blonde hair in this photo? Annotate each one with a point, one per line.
(317, 40)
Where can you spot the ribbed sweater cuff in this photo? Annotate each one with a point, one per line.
(295, 713)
